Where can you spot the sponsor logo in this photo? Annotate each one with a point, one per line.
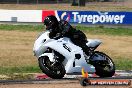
(65, 16)
(91, 17)
(99, 18)
(66, 47)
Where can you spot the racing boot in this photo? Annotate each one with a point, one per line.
(86, 50)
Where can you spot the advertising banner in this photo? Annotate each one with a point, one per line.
(92, 17)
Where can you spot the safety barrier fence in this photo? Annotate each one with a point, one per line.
(75, 17)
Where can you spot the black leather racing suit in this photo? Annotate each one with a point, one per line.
(66, 30)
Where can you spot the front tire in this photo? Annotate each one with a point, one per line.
(57, 71)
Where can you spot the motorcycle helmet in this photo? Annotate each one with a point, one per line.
(51, 22)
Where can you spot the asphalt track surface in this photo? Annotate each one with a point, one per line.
(59, 83)
(56, 81)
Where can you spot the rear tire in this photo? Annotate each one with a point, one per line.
(56, 72)
(104, 69)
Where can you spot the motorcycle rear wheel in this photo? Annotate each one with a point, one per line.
(57, 71)
(106, 68)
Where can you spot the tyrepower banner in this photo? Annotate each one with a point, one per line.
(91, 17)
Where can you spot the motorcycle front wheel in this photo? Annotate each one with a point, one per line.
(53, 70)
(104, 68)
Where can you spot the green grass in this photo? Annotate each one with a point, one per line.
(19, 73)
(107, 31)
(26, 69)
(123, 63)
(22, 27)
(91, 30)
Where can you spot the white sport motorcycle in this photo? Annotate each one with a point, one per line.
(59, 57)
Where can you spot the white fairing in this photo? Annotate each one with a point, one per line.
(39, 48)
(43, 42)
(93, 42)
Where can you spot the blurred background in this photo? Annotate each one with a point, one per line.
(56, 1)
(100, 5)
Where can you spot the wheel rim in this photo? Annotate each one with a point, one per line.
(108, 64)
(56, 68)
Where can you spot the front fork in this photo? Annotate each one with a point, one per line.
(57, 57)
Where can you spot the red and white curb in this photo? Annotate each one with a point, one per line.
(118, 73)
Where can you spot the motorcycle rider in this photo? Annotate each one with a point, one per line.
(64, 29)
